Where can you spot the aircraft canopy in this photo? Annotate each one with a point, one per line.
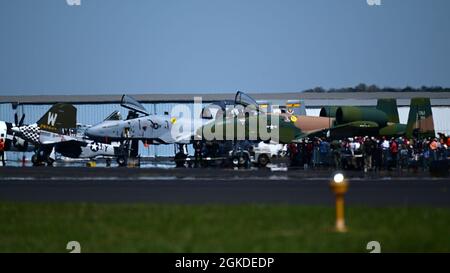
(244, 99)
(132, 104)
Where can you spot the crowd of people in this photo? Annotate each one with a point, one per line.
(370, 153)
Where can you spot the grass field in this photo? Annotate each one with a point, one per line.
(218, 228)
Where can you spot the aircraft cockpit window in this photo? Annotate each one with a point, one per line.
(114, 116)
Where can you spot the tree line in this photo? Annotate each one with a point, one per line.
(373, 88)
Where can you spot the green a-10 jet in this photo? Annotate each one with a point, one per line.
(334, 122)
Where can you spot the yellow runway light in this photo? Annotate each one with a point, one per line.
(339, 186)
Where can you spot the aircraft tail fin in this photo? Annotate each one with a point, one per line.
(296, 107)
(59, 116)
(389, 107)
(420, 119)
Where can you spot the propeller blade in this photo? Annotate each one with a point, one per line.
(21, 120)
(16, 119)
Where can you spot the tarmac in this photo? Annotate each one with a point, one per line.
(218, 186)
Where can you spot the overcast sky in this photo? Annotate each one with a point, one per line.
(142, 46)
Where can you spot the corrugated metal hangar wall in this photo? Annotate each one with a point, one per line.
(94, 113)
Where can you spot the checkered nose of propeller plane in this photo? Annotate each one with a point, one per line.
(28, 132)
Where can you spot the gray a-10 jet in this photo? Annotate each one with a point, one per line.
(140, 125)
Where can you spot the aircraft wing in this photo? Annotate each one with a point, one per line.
(46, 138)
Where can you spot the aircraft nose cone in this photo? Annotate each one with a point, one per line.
(89, 132)
(92, 132)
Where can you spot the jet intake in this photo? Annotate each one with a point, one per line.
(328, 111)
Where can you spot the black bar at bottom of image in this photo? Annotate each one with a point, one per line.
(217, 262)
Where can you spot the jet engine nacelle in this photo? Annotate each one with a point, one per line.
(347, 114)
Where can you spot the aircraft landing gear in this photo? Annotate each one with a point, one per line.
(198, 157)
(127, 154)
(240, 156)
(50, 162)
(42, 157)
(108, 162)
(122, 157)
(122, 161)
(241, 160)
(263, 160)
(35, 160)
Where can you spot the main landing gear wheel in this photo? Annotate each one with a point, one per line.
(263, 160)
(50, 162)
(122, 161)
(35, 160)
(241, 160)
(40, 161)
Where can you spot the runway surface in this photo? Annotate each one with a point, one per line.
(223, 186)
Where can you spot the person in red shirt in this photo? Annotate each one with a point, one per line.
(394, 151)
(2, 151)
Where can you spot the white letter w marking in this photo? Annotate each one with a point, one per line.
(51, 118)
